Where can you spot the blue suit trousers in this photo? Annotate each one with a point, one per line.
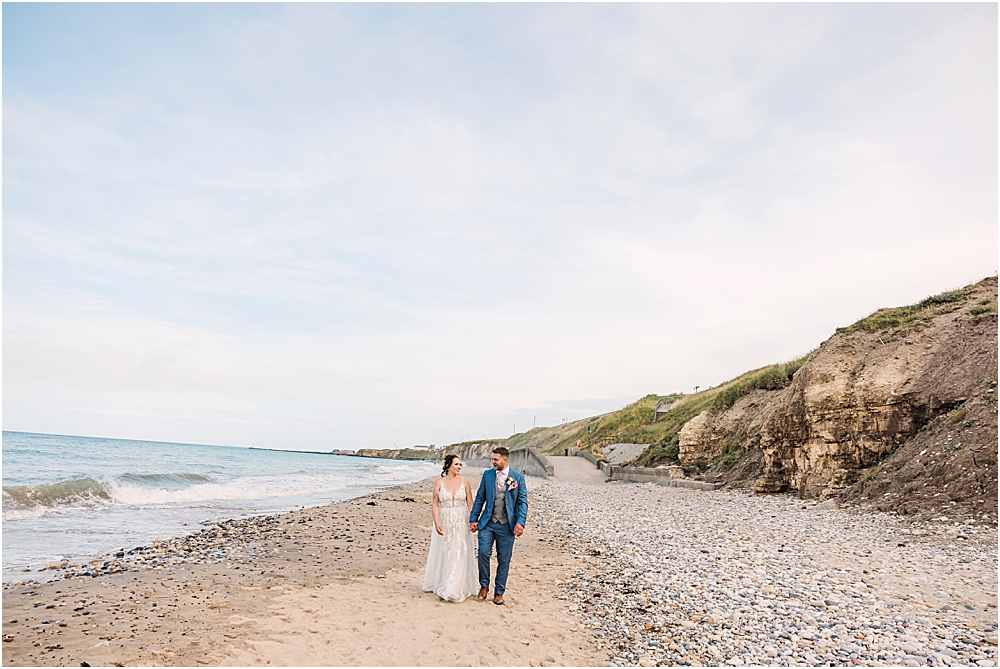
(500, 534)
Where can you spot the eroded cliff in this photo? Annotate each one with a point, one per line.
(872, 392)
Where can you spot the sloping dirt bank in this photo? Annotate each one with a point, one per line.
(897, 412)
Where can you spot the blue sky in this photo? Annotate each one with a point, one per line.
(340, 226)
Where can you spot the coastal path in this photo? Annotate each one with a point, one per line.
(572, 469)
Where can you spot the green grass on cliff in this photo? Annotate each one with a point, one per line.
(988, 306)
(664, 436)
(629, 424)
(772, 377)
(896, 321)
(634, 423)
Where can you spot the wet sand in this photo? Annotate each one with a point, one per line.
(332, 585)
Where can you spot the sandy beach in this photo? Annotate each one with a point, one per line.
(332, 585)
(607, 573)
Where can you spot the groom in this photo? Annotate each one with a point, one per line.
(498, 522)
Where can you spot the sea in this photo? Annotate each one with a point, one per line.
(80, 498)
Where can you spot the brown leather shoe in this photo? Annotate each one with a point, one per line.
(498, 600)
(483, 592)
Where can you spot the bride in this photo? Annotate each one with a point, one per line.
(451, 571)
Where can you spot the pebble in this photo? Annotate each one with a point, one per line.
(238, 538)
(651, 595)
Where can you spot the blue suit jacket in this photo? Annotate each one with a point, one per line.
(516, 499)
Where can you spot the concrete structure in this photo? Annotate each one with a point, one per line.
(617, 454)
(661, 408)
(528, 460)
(661, 476)
(576, 470)
(524, 459)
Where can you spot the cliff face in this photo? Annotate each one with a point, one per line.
(476, 454)
(713, 436)
(396, 453)
(859, 399)
(864, 394)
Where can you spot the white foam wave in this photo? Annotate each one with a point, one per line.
(247, 489)
(30, 512)
(403, 472)
(240, 490)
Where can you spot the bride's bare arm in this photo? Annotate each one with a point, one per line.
(468, 492)
(434, 507)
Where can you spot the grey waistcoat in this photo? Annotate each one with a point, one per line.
(500, 507)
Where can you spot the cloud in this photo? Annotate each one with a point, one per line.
(412, 224)
(107, 412)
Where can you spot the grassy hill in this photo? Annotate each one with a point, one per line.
(634, 423)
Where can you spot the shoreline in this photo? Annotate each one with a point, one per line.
(287, 586)
(43, 569)
(238, 538)
(207, 545)
(621, 573)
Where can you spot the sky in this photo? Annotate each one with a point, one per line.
(319, 226)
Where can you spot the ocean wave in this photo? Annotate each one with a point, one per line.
(30, 501)
(33, 500)
(60, 493)
(185, 489)
(234, 491)
(182, 478)
(30, 512)
(390, 475)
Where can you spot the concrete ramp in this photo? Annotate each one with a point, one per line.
(575, 470)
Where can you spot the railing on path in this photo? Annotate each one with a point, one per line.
(662, 406)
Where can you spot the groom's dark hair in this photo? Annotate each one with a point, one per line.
(502, 451)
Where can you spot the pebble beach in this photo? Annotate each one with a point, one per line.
(682, 577)
(607, 573)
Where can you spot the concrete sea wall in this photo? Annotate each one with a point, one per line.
(524, 459)
(667, 476)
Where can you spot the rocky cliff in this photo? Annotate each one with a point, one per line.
(476, 453)
(918, 376)
(394, 453)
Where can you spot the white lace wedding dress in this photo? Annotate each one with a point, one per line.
(452, 573)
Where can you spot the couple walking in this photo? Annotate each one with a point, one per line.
(498, 514)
